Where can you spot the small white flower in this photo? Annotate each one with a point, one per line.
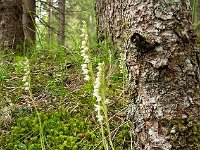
(27, 73)
(86, 37)
(98, 98)
(87, 60)
(84, 66)
(26, 69)
(24, 79)
(98, 108)
(26, 62)
(86, 57)
(98, 67)
(85, 71)
(98, 77)
(82, 30)
(86, 49)
(26, 84)
(82, 55)
(97, 86)
(26, 88)
(82, 35)
(107, 101)
(96, 92)
(83, 21)
(83, 44)
(83, 52)
(100, 117)
(87, 78)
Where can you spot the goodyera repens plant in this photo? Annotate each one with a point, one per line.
(27, 87)
(87, 65)
(101, 106)
(26, 77)
(99, 87)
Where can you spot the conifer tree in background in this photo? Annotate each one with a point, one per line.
(61, 22)
(11, 29)
(163, 66)
(49, 12)
(29, 11)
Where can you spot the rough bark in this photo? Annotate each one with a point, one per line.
(163, 67)
(29, 10)
(11, 29)
(61, 22)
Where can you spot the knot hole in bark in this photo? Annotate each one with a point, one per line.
(143, 43)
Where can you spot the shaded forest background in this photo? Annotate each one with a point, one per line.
(60, 113)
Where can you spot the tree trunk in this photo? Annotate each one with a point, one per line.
(109, 19)
(49, 11)
(11, 29)
(163, 66)
(29, 8)
(61, 21)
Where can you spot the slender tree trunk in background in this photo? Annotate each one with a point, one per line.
(49, 20)
(110, 23)
(61, 22)
(29, 8)
(161, 59)
(11, 29)
(109, 19)
(197, 20)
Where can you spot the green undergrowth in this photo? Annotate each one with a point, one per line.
(62, 130)
(64, 101)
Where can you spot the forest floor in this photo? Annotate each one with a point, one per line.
(63, 101)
